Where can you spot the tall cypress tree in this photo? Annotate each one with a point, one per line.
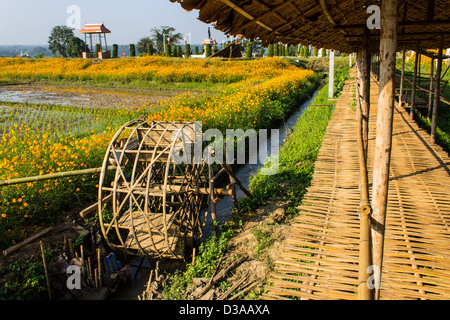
(270, 51)
(150, 49)
(168, 50)
(208, 50)
(249, 51)
(115, 51)
(187, 51)
(132, 50)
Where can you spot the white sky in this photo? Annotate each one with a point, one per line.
(28, 22)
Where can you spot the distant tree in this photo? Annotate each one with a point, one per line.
(261, 52)
(115, 51)
(175, 51)
(196, 50)
(208, 51)
(307, 52)
(249, 50)
(59, 39)
(75, 47)
(157, 36)
(132, 50)
(292, 51)
(303, 52)
(168, 52)
(275, 49)
(187, 50)
(142, 45)
(38, 51)
(270, 50)
(150, 48)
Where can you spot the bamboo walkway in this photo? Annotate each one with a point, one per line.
(320, 257)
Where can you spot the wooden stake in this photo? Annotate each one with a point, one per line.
(90, 272)
(71, 251)
(96, 278)
(83, 268)
(45, 271)
(437, 92)
(99, 268)
(383, 143)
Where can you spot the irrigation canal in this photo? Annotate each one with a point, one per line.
(140, 275)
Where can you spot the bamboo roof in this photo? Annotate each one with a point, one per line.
(330, 24)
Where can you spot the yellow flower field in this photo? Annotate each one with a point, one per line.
(254, 94)
(146, 68)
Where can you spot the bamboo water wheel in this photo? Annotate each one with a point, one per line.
(154, 203)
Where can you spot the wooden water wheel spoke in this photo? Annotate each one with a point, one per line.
(158, 189)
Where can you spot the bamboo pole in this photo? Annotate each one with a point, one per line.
(53, 176)
(331, 76)
(383, 142)
(414, 84)
(365, 254)
(365, 89)
(235, 179)
(437, 91)
(45, 270)
(402, 79)
(430, 96)
(27, 241)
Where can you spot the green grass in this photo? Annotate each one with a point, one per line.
(296, 158)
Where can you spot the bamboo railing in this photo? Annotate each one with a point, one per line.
(53, 176)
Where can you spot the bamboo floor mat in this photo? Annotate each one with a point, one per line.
(320, 255)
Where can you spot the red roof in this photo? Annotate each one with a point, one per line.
(94, 28)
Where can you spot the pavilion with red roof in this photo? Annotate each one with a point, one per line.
(94, 32)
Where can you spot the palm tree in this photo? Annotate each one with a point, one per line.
(157, 35)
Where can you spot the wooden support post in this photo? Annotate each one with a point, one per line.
(331, 76)
(365, 89)
(430, 95)
(414, 84)
(437, 92)
(212, 202)
(383, 142)
(419, 73)
(402, 79)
